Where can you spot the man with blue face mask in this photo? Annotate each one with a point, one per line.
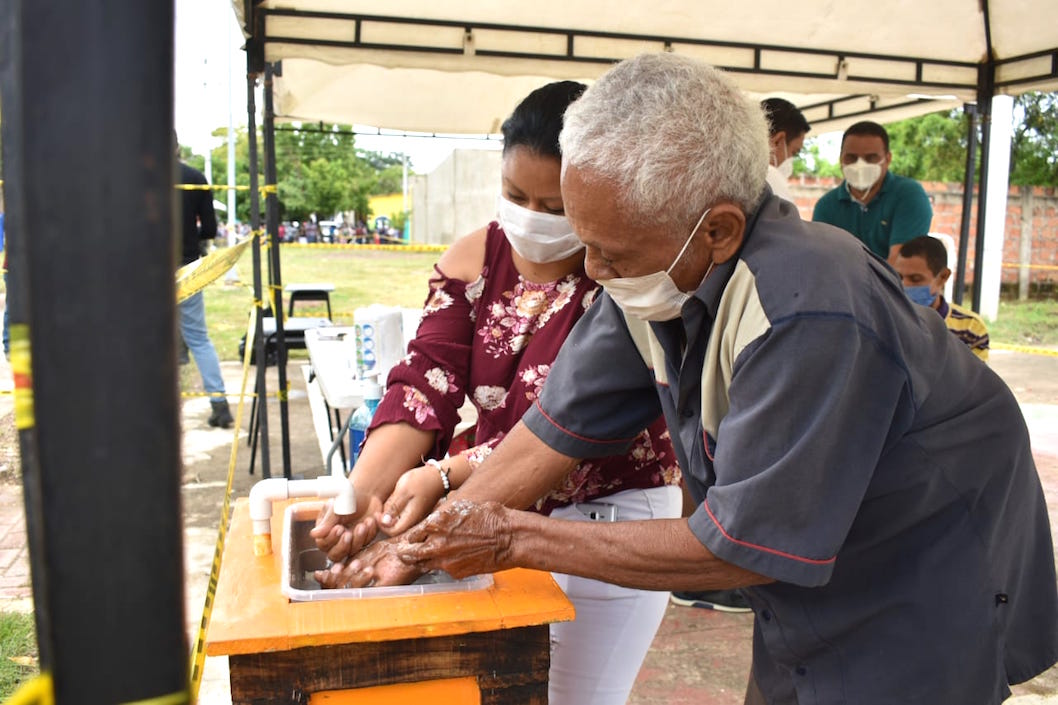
(880, 512)
(881, 209)
(923, 266)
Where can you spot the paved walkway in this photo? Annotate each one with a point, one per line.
(698, 656)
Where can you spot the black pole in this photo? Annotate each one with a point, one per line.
(970, 110)
(261, 387)
(272, 219)
(96, 232)
(17, 309)
(985, 93)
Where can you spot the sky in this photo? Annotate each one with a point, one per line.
(208, 49)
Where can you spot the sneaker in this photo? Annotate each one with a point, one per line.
(719, 600)
(221, 415)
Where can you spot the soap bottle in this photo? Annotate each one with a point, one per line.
(363, 415)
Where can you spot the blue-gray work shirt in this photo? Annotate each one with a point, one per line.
(839, 440)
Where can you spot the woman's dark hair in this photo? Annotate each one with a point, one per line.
(537, 120)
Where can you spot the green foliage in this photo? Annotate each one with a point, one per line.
(1034, 152)
(930, 147)
(810, 161)
(18, 640)
(319, 171)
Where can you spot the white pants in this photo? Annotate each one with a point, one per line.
(595, 659)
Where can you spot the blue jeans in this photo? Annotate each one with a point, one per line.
(193, 329)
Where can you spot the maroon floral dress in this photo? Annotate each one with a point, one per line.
(493, 340)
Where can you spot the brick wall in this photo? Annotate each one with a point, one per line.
(1032, 214)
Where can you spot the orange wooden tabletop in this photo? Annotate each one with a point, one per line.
(252, 615)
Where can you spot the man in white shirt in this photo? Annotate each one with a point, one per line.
(788, 128)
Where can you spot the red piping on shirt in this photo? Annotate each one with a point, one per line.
(765, 549)
(705, 444)
(574, 435)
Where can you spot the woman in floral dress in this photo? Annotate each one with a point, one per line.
(501, 303)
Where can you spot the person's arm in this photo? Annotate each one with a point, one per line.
(415, 416)
(207, 217)
(911, 217)
(467, 538)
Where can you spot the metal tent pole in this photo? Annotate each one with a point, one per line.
(95, 227)
(272, 219)
(985, 93)
(261, 386)
(967, 201)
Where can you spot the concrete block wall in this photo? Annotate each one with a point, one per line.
(456, 198)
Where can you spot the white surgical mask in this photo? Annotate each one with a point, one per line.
(536, 236)
(652, 297)
(861, 175)
(785, 167)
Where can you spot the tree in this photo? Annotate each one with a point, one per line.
(318, 168)
(1034, 148)
(930, 147)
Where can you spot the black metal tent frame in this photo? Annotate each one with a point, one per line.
(984, 85)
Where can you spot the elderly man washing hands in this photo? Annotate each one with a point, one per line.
(881, 511)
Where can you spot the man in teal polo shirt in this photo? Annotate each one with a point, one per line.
(882, 210)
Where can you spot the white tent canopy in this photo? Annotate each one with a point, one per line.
(458, 68)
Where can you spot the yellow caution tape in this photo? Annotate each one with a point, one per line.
(1024, 349)
(36, 691)
(265, 189)
(378, 248)
(1018, 265)
(22, 372)
(196, 276)
(198, 655)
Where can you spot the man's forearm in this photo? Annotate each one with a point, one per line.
(660, 554)
(539, 469)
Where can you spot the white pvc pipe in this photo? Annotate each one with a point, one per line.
(265, 492)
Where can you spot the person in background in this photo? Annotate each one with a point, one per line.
(198, 225)
(867, 483)
(881, 209)
(922, 264)
(787, 130)
(501, 303)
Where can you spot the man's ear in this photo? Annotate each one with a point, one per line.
(943, 275)
(725, 230)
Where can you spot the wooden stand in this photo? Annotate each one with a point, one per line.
(487, 646)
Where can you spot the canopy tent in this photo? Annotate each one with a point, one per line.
(459, 68)
(435, 67)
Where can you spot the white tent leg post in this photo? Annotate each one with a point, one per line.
(1001, 128)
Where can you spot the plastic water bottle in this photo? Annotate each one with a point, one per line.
(363, 415)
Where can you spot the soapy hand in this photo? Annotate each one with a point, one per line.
(378, 564)
(462, 538)
(343, 536)
(417, 492)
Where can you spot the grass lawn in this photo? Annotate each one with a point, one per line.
(1033, 323)
(360, 277)
(18, 651)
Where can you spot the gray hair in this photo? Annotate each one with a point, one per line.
(674, 134)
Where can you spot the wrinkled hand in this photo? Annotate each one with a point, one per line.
(343, 536)
(417, 492)
(462, 538)
(378, 564)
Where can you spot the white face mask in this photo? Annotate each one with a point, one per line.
(861, 175)
(785, 167)
(652, 297)
(538, 237)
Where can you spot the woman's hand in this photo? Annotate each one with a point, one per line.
(417, 492)
(378, 564)
(344, 536)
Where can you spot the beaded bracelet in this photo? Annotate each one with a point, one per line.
(444, 474)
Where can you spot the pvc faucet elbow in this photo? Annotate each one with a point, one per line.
(265, 492)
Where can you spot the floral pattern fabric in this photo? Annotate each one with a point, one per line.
(493, 341)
